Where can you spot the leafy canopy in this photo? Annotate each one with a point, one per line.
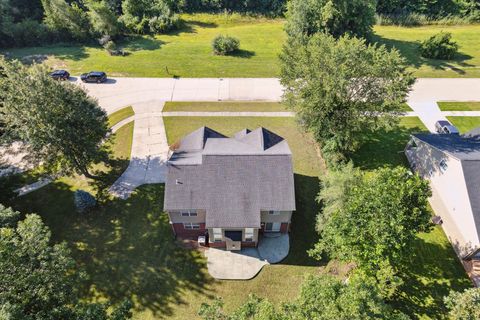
(60, 125)
(342, 88)
(380, 217)
(322, 297)
(39, 280)
(464, 305)
(335, 17)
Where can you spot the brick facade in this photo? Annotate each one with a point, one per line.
(180, 231)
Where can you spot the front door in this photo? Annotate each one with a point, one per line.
(272, 226)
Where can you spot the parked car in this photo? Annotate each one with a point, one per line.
(94, 76)
(445, 127)
(60, 75)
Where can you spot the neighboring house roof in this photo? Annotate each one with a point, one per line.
(465, 148)
(233, 179)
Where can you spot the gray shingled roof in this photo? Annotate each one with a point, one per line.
(461, 147)
(233, 179)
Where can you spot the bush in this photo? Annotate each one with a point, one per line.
(223, 45)
(110, 46)
(84, 201)
(8, 217)
(161, 24)
(439, 46)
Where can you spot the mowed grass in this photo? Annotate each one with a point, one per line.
(465, 124)
(120, 115)
(228, 106)
(406, 40)
(459, 106)
(432, 268)
(187, 52)
(127, 247)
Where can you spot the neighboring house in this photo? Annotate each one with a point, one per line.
(452, 165)
(234, 188)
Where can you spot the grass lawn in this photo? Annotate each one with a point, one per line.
(187, 52)
(224, 106)
(120, 115)
(458, 106)
(465, 124)
(127, 247)
(432, 268)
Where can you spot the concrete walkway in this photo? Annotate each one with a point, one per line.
(149, 152)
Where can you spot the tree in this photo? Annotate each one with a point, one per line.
(66, 19)
(8, 217)
(381, 216)
(322, 297)
(39, 280)
(336, 17)
(60, 125)
(103, 19)
(464, 305)
(342, 88)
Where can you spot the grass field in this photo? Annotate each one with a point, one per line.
(127, 248)
(119, 115)
(187, 52)
(224, 106)
(458, 106)
(465, 124)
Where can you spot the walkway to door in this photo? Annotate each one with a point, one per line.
(247, 263)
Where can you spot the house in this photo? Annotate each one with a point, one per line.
(233, 188)
(452, 165)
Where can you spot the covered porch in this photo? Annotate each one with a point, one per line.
(246, 263)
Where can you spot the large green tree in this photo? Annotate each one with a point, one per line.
(66, 18)
(336, 17)
(61, 126)
(342, 88)
(103, 18)
(381, 216)
(464, 305)
(39, 280)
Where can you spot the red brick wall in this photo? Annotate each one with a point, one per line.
(180, 231)
(219, 244)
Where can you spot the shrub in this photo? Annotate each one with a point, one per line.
(223, 45)
(439, 46)
(8, 217)
(84, 201)
(110, 46)
(161, 24)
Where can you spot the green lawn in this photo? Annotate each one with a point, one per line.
(465, 124)
(224, 106)
(458, 106)
(432, 268)
(127, 248)
(187, 52)
(120, 115)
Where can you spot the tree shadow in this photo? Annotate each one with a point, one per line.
(141, 43)
(303, 235)
(429, 273)
(240, 53)
(410, 51)
(383, 148)
(125, 247)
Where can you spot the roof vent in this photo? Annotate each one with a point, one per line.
(177, 182)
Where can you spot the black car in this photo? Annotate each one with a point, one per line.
(60, 75)
(94, 76)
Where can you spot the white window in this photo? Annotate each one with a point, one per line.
(217, 234)
(274, 213)
(443, 166)
(191, 226)
(249, 234)
(188, 213)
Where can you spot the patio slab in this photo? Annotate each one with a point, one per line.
(247, 263)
